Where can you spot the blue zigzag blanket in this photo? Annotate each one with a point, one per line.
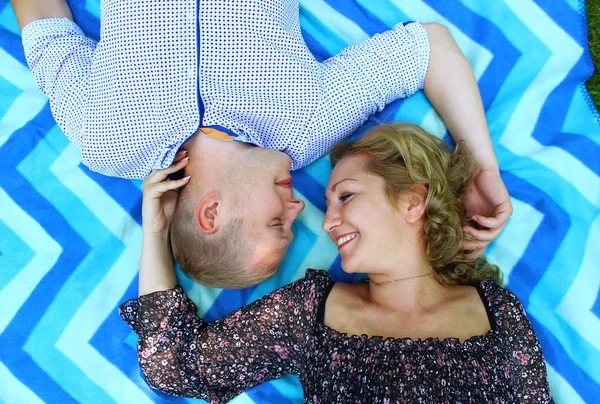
(70, 238)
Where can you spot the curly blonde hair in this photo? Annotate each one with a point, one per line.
(404, 155)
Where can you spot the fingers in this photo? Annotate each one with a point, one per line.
(475, 254)
(475, 245)
(479, 240)
(474, 248)
(165, 186)
(502, 212)
(181, 154)
(482, 235)
(157, 176)
(492, 222)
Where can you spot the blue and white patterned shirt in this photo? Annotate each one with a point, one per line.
(163, 68)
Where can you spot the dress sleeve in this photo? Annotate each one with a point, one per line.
(60, 57)
(182, 355)
(526, 352)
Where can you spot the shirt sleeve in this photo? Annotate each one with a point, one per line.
(386, 67)
(360, 81)
(526, 352)
(182, 355)
(60, 57)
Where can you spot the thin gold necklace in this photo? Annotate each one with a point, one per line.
(396, 280)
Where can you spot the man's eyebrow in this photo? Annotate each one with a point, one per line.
(332, 189)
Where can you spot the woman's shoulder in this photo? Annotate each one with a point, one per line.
(319, 274)
(318, 277)
(307, 291)
(489, 287)
(501, 301)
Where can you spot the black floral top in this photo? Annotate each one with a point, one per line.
(283, 332)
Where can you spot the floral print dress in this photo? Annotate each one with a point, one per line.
(283, 332)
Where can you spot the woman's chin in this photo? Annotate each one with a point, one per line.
(349, 268)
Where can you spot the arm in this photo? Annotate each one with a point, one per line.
(30, 10)
(60, 57)
(157, 272)
(451, 88)
(182, 355)
(179, 353)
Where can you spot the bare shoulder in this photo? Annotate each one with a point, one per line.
(349, 294)
(343, 300)
(468, 294)
(469, 309)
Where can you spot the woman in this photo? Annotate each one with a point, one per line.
(429, 325)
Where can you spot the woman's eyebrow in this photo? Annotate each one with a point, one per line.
(337, 183)
(332, 189)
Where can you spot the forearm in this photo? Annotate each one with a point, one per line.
(30, 10)
(451, 88)
(157, 271)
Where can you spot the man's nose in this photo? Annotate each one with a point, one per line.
(296, 206)
(332, 220)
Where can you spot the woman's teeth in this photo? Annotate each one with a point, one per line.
(345, 238)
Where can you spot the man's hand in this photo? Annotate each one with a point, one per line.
(488, 204)
(160, 197)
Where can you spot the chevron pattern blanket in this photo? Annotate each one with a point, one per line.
(70, 238)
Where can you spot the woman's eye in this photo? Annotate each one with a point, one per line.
(343, 197)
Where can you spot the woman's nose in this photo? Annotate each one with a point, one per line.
(331, 221)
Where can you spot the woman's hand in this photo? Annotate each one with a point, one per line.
(160, 197)
(488, 204)
(157, 272)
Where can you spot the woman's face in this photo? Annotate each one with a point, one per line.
(370, 233)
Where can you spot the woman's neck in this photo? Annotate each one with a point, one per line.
(410, 295)
(409, 286)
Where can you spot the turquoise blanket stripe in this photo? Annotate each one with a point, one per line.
(70, 238)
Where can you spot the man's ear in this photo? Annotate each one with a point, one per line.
(207, 213)
(415, 203)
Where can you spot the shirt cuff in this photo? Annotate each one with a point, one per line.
(156, 312)
(37, 29)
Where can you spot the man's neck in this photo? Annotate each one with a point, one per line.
(209, 154)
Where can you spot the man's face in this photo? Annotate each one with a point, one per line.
(264, 198)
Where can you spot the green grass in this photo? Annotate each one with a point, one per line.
(593, 20)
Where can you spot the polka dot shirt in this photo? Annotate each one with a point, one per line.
(163, 69)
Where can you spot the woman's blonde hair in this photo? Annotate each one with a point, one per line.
(405, 155)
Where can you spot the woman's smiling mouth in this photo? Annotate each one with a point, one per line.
(344, 239)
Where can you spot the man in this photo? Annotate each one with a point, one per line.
(218, 78)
